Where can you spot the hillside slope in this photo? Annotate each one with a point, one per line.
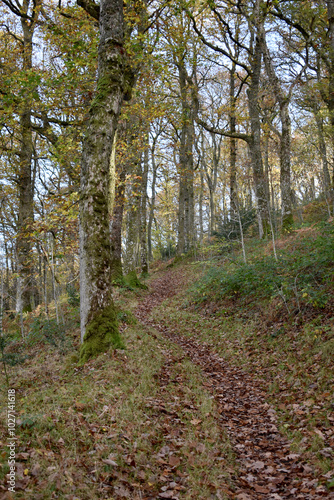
(224, 397)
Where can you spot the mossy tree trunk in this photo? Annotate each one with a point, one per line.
(233, 145)
(255, 142)
(330, 66)
(98, 319)
(186, 236)
(121, 168)
(133, 208)
(152, 204)
(143, 214)
(211, 172)
(26, 287)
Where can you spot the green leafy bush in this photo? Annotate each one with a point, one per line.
(300, 277)
(73, 295)
(10, 358)
(49, 331)
(230, 230)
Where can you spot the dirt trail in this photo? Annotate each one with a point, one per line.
(267, 467)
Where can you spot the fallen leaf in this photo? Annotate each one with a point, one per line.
(174, 461)
(109, 462)
(195, 421)
(256, 465)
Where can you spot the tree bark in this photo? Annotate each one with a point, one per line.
(255, 140)
(326, 180)
(25, 262)
(186, 236)
(143, 214)
(117, 222)
(233, 147)
(330, 97)
(98, 319)
(152, 205)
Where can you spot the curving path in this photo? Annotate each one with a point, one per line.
(267, 467)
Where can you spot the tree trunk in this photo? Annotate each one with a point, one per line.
(323, 151)
(186, 236)
(25, 186)
(133, 212)
(233, 147)
(143, 221)
(285, 170)
(181, 242)
(283, 101)
(152, 206)
(200, 208)
(255, 141)
(98, 318)
(117, 222)
(330, 98)
(255, 124)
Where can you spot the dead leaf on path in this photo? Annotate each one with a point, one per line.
(35, 471)
(243, 496)
(122, 491)
(174, 461)
(167, 494)
(109, 462)
(318, 431)
(260, 489)
(255, 465)
(200, 448)
(195, 421)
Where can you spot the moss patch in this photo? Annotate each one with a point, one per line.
(132, 280)
(287, 223)
(117, 271)
(101, 334)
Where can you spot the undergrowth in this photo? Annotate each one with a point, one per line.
(299, 278)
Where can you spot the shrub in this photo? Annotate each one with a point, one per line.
(230, 230)
(73, 295)
(48, 330)
(300, 277)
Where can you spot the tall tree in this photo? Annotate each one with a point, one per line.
(253, 17)
(98, 319)
(28, 15)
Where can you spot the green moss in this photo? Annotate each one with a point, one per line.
(117, 270)
(101, 334)
(102, 92)
(177, 260)
(132, 280)
(287, 223)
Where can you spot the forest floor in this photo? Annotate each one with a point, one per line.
(196, 407)
(267, 467)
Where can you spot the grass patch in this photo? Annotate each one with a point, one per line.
(127, 424)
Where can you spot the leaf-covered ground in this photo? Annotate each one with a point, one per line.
(197, 407)
(269, 467)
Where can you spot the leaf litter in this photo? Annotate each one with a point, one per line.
(266, 466)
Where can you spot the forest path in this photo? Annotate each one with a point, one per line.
(267, 467)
